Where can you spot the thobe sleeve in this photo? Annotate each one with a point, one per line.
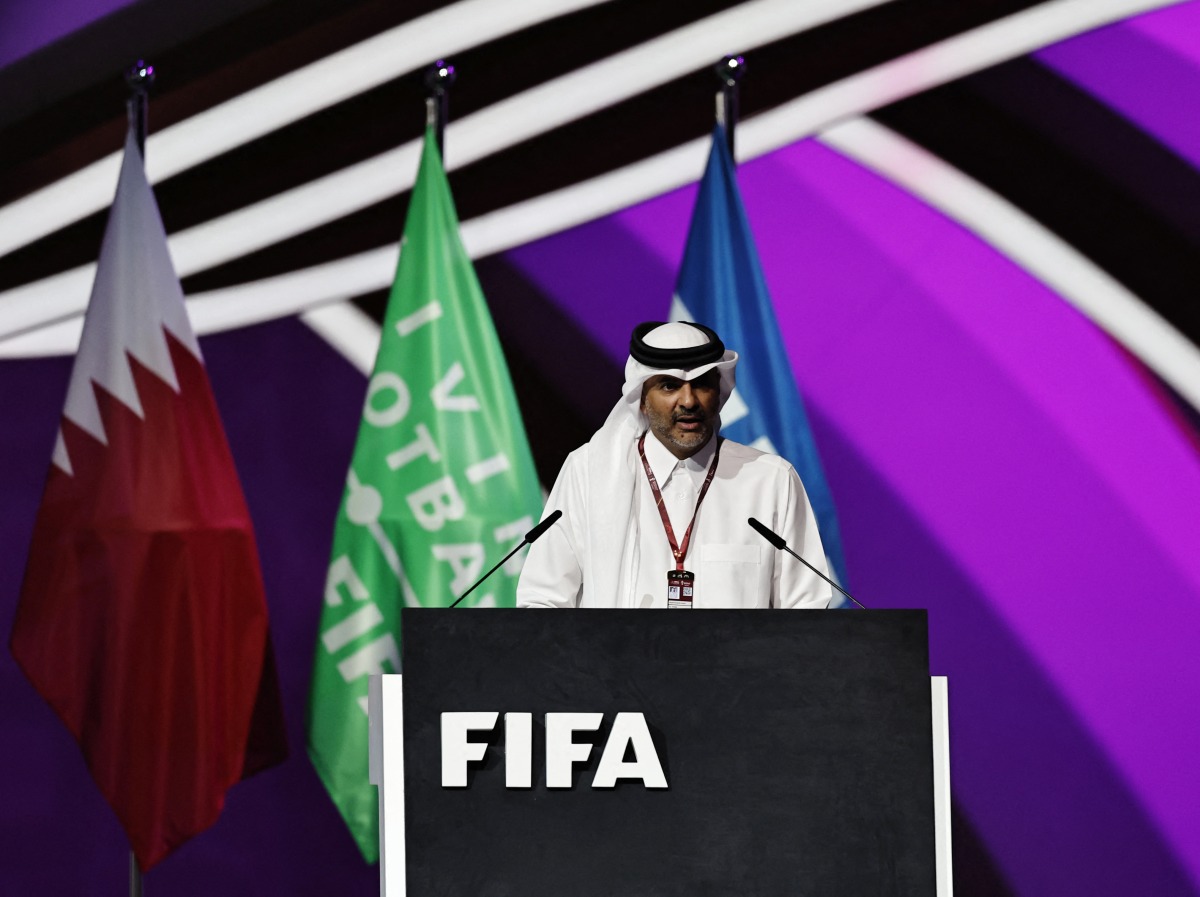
(553, 572)
(795, 585)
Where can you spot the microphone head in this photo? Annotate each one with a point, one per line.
(537, 531)
(772, 537)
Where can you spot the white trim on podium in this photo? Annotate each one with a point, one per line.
(385, 713)
(941, 786)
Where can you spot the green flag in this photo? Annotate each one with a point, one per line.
(440, 488)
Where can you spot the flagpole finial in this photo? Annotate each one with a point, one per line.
(439, 78)
(729, 72)
(139, 77)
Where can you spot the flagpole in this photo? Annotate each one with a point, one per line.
(138, 77)
(135, 877)
(729, 72)
(438, 80)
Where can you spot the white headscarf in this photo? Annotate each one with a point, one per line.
(676, 335)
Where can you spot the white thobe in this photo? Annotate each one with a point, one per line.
(734, 566)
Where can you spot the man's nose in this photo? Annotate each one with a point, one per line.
(687, 396)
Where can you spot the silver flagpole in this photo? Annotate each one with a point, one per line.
(135, 877)
(139, 77)
(729, 72)
(438, 79)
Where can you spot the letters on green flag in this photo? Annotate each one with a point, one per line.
(440, 488)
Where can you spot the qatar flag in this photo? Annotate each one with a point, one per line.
(142, 618)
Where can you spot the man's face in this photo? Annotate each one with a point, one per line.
(682, 413)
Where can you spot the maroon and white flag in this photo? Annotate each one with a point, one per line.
(142, 617)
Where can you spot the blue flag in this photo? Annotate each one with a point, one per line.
(721, 284)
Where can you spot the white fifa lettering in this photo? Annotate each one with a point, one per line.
(518, 750)
(457, 751)
(423, 445)
(426, 314)
(436, 503)
(443, 401)
(369, 660)
(465, 560)
(396, 410)
(562, 753)
(342, 573)
(357, 624)
(629, 730)
(489, 467)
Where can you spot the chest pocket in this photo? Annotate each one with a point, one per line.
(733, 575)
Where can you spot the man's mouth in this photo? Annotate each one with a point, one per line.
(689, 423)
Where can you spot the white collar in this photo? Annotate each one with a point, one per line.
(662, 462)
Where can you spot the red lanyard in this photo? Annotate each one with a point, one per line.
(679, 551)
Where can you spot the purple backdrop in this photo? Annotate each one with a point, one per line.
(27, 27)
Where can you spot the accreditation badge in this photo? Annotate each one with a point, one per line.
(681, 585)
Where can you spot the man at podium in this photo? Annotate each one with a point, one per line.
(654, 506)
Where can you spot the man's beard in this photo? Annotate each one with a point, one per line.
(663, 426)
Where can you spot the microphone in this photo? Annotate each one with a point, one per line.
(536, 533)
(779, 542)
(530, 537)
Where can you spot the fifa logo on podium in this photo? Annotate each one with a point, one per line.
(629, 737)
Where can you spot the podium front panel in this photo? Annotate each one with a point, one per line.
(796, 747)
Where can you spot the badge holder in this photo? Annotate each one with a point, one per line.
(680, 588)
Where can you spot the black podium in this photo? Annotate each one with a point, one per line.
(796, 748)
